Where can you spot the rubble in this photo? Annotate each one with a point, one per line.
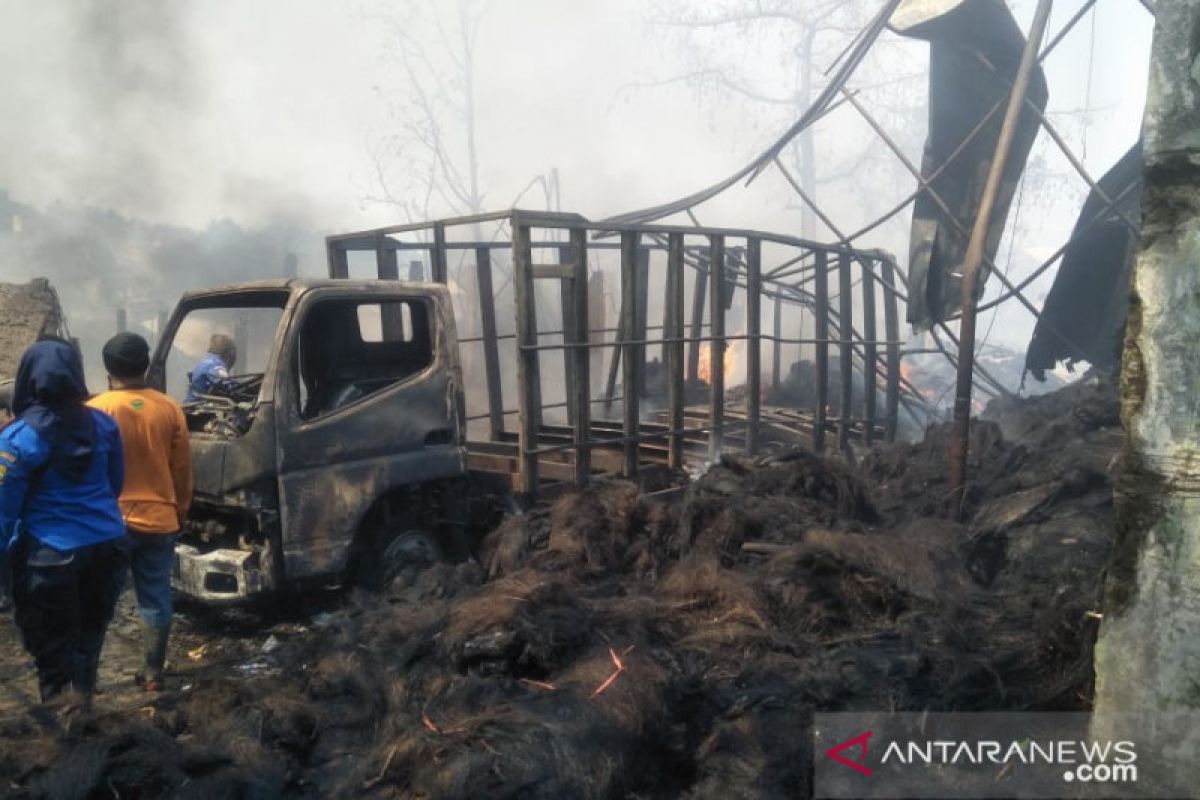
(27, 311)
(618, 644)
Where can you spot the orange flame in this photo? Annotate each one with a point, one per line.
(729, 362)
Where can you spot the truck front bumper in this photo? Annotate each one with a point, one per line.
(215, 576)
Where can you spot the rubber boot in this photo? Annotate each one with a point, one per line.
(154, 656)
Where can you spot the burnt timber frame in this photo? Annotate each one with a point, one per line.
(653, 263)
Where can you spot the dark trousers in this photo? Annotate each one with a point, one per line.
(64, 602)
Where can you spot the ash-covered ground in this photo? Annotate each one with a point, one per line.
(616, 645)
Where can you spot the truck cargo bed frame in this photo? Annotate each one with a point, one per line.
(608, 428)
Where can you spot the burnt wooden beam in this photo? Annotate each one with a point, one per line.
(891, 324)
(437, 254)
(699, 291)
(579, 379)
(491, 347)
(643, 314)
(870, 352)
(528, 373)
(673, 329)
(777, 349)
(631, 358)
(566, 295)
(335, 254)
(716, 350)
(387, 267)
(753, 342)
(846, 350)
(821, 324)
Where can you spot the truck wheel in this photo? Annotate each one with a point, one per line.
(406, 554)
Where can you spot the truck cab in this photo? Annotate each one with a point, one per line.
(337, 448)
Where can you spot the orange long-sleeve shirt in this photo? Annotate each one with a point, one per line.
(158, 458)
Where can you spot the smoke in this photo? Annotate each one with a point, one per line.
(135, 89)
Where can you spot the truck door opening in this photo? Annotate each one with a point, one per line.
(351, 349)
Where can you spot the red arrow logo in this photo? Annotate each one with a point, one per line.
(860, 742)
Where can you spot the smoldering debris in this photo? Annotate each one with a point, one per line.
(617, 645)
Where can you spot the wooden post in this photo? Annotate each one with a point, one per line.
(579, 383)
(387, 267)
(437, 255)
(698, 295)
(631, 360)
(716, 350)
(870, 351)
(614, 361)
(973, 259)
(566, 295)
(123, 322)
(846, 350)
(643, 308)
(528, 377)
(598, 317)
(891, 323)
(777, 350)
(491, 347)
(753, 342)
(821, 326)
(673, 329)
(335, 254)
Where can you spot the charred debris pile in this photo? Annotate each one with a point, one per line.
(616, 645)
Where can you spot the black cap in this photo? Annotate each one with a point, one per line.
(126, 356)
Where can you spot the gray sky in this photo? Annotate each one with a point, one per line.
(266, 111)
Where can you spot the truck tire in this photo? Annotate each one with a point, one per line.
(406, 553)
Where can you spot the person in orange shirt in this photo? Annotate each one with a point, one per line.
(157, 491)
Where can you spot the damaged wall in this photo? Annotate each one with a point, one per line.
(1148, 654)
(27, 311)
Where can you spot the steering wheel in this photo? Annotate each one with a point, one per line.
(243, 387)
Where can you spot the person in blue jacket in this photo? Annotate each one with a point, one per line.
(5, 574)
(211, 375)
(61, 470)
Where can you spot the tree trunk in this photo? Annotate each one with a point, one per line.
(1148, 653)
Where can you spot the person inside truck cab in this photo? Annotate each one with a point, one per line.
(211, 375)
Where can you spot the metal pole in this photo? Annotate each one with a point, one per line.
(973, 259)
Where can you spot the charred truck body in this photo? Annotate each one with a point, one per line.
(338, 450)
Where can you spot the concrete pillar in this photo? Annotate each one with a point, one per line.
(1148, 653)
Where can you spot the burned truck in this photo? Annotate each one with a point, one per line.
(342, 449)
(335, 451)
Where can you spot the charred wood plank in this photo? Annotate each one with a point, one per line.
(491, 348)
(753, 342)
(821, 296)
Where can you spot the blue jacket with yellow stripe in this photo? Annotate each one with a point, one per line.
(36, 499)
